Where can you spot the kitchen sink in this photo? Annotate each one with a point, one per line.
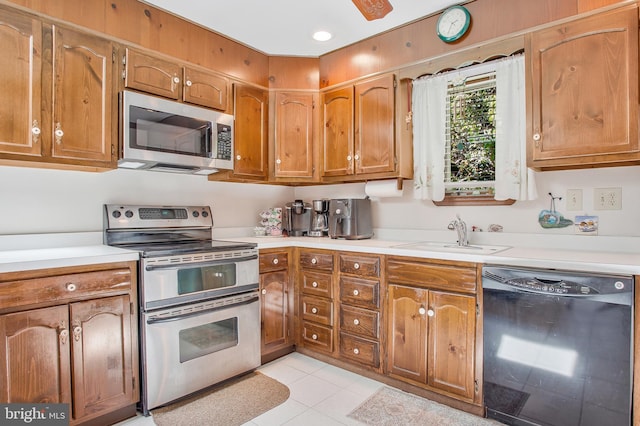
(452, 247)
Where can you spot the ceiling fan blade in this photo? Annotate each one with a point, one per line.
(373, 9)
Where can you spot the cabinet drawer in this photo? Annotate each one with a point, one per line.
(442, 277)
(64, 287)
(362, 322)
(317, 309)
(356, 291)
(317, 283)
(360, 265)
(274, 261)
(316, 260)
(360, 350)
(317, 337)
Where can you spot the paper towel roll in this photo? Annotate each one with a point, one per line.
(382, 189)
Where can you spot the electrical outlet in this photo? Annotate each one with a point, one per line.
(607, 198)
(574, 199)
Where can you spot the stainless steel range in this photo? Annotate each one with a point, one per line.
(199, 299)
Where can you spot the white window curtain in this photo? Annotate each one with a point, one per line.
(513, 180)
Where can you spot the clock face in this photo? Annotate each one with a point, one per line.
(453, 23)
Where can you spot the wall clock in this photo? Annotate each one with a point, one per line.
(453, 23)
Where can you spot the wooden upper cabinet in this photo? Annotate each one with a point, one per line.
(83, 106)
(293, 148)
(251, 121)
(583, 90)
(337, 106)
(375, 125)
(174, 80)
(20, 73)
(359, 129)
(35, 353)
(152, 75)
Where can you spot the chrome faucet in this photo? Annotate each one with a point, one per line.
(461, 228)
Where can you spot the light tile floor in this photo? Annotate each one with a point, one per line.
(321, 394)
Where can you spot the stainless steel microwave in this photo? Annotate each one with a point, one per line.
(163, 135)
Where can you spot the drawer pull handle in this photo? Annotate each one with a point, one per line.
(275, 261)
(314, 310)
(70, 287)
(314, 336)
(430, 312)
(356, 321)
(264, 291)
(77, 331)
(63, 333)
(356, 266)
(314, 261)
(356, 351)
(356, 292)
(422, 311)
(314, 284)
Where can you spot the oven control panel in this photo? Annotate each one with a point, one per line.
(129, 217)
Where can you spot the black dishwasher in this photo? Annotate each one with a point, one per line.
(557, 347)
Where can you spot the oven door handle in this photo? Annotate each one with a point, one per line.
(210, 263)
(151, 321)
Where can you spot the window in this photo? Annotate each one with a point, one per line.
(471, 136)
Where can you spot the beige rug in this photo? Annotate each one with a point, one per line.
(389, 407)
(233, 403)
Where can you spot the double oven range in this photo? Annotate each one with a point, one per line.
(199, 299)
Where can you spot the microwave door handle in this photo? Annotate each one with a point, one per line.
(205, 311)
(200, 264)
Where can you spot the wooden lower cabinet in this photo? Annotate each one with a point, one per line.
(83, 353)
(276, 304)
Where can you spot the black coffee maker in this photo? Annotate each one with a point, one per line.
(296, 218)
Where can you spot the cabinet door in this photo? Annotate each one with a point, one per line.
(102, 356)
(206, 89)
(251, 120)
(293, 154)
(35, 355)
(584, 89)
(20, 74)
(83, 97)
(451, 353)
(337, 142)
(407, 332)
(153, 75)
(374, 125)
(273, 299)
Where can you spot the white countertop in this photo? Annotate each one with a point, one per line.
(614, 255)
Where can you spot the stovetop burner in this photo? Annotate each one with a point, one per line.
(157, 231)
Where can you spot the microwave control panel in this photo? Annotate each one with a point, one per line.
(224, 145)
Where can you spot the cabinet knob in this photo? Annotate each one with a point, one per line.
(70, 286)
(314, 261)
(536, 137)
(356, 266)
(188, 83)
(430, 312)
(176, 80)
(314, 284)
(35, 131)
(275, 261)
(278, 161)
(63, 333)
(58, 133)
(348, 158)
(356, 321)
(77, 332)
(314, 310)
(356, 157)
(356, 351)
(422, 311)
(314, 336)
(356, 292)
(238, 157)
(264, 291)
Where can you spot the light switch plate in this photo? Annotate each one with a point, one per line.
(607, 198)
(574, 199)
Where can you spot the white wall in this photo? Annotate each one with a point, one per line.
(44, 201)
(51, 201)
(521, 217)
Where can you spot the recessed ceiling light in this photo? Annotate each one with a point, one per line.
(322, 35)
